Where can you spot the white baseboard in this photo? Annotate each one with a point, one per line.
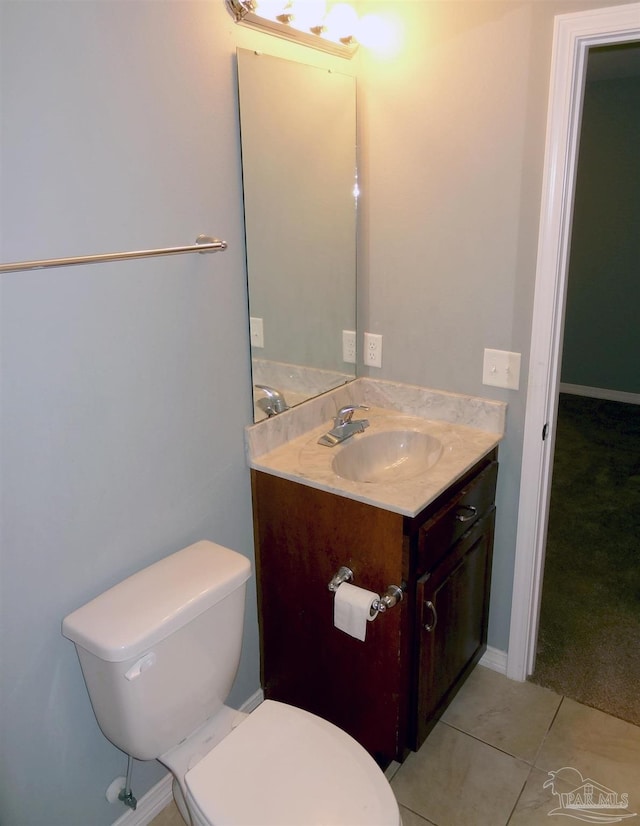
(253, 702)
(161, 795)
(600, 393)
(149, 805)
(495, 659)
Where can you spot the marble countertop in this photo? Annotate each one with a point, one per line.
(467, 427)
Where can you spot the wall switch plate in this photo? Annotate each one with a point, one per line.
(349, 346)
(256, 332)
(373, 350)
(501, 369)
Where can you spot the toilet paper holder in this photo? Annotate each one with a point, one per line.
(392, 596)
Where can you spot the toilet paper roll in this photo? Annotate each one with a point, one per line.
(352, 610)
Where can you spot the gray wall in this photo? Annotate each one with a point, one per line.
(125, 387)
(601, 342)
(453, 138)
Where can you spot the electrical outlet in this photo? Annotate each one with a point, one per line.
(501, 369)
(349, 346)
(256, 332)
(373, 350)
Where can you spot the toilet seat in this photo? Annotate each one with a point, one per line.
(285, 767)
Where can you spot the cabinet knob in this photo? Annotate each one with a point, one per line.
(467, 517)
(429, 606)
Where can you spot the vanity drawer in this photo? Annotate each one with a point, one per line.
(447, 525)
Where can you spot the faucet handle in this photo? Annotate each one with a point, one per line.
(346, 413)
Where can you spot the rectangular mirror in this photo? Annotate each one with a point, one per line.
(298, 138)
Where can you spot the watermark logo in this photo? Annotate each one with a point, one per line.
(584, 799)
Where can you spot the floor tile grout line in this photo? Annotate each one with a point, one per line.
(417, 814)
(491, 746)
(519, 798)
(532, 766)
(548, 731)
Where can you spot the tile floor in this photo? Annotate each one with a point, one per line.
(486, 762)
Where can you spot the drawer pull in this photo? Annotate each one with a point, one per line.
(473, 512)
(431, 607)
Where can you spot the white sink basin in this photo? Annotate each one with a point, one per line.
(387, 456)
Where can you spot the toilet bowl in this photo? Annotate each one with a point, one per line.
(159, 653)
(285, 767)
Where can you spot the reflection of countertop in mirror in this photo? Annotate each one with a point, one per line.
(296, 382)
(468, 427)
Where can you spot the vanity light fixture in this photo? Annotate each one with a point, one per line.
(303, 21)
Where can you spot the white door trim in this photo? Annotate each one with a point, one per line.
(573, 35)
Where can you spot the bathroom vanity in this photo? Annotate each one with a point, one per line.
(431, 534)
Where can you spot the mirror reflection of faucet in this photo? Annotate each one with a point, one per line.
(343, 426)
(273, 401)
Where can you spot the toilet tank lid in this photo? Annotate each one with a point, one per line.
(144, 609)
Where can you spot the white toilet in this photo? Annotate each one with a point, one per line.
(159, 653)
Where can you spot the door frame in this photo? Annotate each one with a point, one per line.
(573, 35)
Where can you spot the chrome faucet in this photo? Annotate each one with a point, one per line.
(343, 426)
(273, 402)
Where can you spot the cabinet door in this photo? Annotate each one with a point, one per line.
(452, 609)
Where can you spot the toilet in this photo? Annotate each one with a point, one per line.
(159, 653)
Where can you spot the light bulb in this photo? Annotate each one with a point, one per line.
(380, 34)
(308, 14)
(341, 22)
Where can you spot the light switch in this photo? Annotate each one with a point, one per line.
(501, 369)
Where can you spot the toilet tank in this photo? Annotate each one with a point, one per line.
(160, 650)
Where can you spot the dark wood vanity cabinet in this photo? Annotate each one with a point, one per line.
(389, 690)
